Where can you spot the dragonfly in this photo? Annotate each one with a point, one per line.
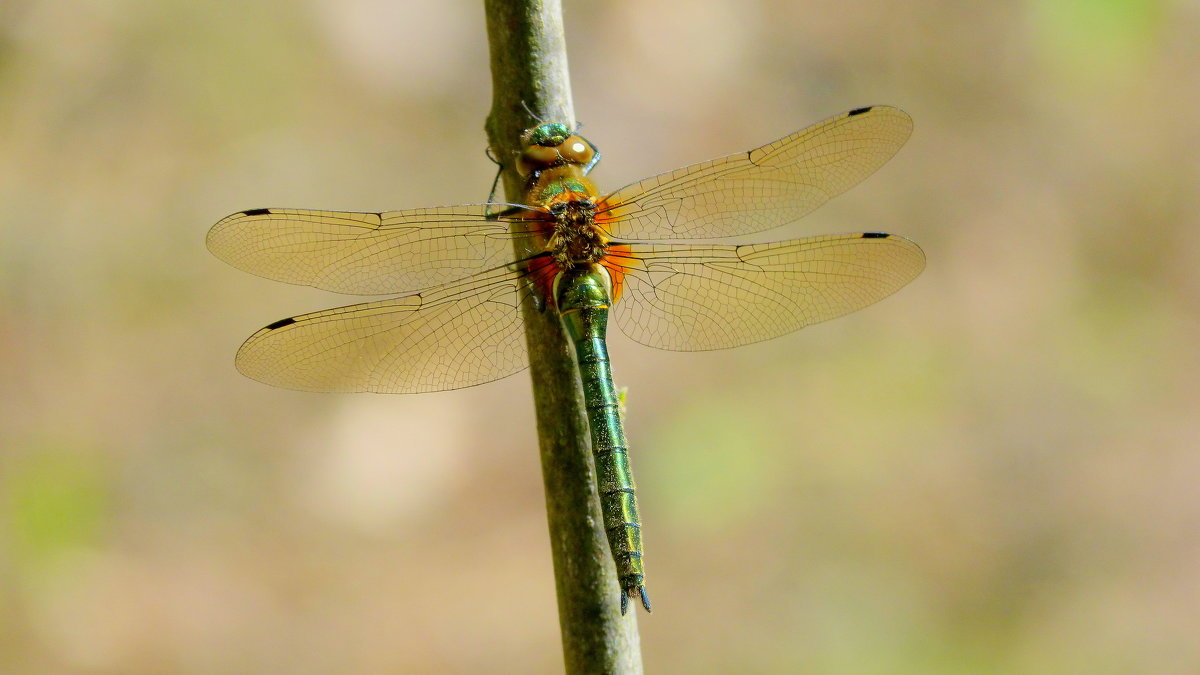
(460, 275)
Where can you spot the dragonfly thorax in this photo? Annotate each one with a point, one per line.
(575, 240)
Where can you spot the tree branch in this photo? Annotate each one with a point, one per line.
(530, 85)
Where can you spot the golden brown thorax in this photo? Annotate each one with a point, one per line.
(556, 184)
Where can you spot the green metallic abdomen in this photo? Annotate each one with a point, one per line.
(583, 299)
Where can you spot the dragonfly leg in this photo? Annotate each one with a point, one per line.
(495, 182)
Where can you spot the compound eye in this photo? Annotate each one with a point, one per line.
(576, 150)
(535, 158)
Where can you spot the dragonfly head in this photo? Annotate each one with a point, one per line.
(551, 145)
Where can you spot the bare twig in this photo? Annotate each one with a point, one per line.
(530, 84)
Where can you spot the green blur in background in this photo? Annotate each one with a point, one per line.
(993, 471)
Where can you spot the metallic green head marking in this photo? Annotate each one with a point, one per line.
(563, 186)
(550, 135)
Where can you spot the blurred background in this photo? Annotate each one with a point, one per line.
(993, 471)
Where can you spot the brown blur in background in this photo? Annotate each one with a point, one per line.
(994, 471)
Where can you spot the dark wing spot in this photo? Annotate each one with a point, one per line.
(859, 111)
(875, 235)
(281, 323)
(257, 212)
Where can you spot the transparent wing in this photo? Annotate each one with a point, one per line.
(364, 253)
(453, 336)
(760, 189)
(698, 297)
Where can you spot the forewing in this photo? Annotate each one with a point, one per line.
(364, 253)
(450, 337)
(760, 189)
(698, 297)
